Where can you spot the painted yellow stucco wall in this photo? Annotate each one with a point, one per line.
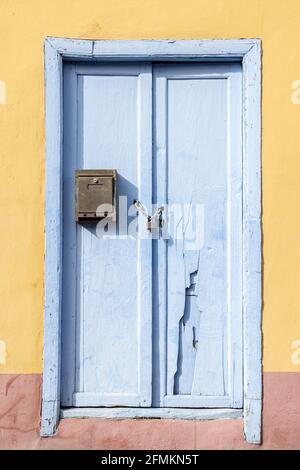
(23, 27)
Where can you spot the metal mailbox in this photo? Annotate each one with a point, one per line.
(95, 194)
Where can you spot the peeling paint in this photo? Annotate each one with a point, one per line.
(2, 352)
(2, 92)
(188, 327)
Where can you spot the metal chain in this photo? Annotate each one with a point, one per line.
(139, 206)
(158, 212)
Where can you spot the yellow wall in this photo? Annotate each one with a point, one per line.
(23, 26)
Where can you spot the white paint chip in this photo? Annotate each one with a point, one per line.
(2, 92)
(2, 352)
(296, 93)
(295, 357)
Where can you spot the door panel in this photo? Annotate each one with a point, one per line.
(108, 124)
(199, 175)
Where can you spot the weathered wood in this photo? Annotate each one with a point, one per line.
(53, 242)
(198, 138)
(252, 265)
(110, 279)
(160, 413)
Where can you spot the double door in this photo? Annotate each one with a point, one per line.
(153, 318)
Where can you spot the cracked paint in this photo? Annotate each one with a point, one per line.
(189, 325)
(198, 345)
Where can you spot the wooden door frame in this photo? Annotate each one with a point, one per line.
(248, 52)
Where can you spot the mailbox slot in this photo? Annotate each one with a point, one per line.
(95, 194)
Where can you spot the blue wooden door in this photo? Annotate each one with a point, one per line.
(198, 295)
(107, 288)
(155, 320)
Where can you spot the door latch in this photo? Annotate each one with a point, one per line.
(154, 221)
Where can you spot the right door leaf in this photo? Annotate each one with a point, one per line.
(198, 149)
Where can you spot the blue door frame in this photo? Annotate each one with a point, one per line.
(248, 52)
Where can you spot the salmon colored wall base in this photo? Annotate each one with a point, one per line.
(20, 408)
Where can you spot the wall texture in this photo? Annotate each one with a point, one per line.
(23, 27)
(20, 407)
